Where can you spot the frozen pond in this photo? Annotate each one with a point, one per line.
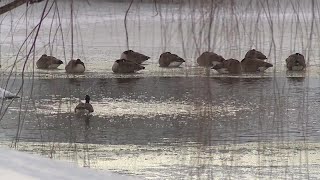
(162, 123)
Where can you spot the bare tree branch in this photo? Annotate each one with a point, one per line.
(15, 4)
(125, 23)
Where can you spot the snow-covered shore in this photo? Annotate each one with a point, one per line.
(20, 165)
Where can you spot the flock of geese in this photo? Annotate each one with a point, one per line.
(131, 62)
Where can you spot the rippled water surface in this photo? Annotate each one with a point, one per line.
(161, 123)
(175, 127)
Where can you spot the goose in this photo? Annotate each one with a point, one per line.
(4, 94)
(75, 66)
(170, 60)
(126, 66)
(254, 65)
(84, 108)
(296, 62)
(255, 54)
(48, 62)
(209, 59)
(134, 56)
(229, 66)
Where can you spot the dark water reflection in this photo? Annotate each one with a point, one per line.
(168, 112)
(156, 108)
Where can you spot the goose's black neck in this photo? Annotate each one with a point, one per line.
(87, 99)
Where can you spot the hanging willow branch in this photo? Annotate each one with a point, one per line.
(15, 4)
(125, 23)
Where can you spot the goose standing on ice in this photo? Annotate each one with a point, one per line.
(209, 59)
(170, 60)
(84, 108)
(296, 62)
(75, 66)
(48, 62)
(126, 66)
(4, 94)
(134, 56)
(229, 66)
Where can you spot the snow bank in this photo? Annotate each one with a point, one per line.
(19, 165)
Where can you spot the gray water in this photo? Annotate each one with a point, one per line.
(162, 123)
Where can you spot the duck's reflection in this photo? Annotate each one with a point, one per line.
(86, 158)
(126, 80)
(295, 76)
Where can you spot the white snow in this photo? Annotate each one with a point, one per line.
(6, 94)
(16, 165)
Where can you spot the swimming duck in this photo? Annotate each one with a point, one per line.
(209, 59)
(254, 65)
(4, 94)
(75, 66)
(296, 62)
(170, 60)
(255, 54)
(134, 56)
(85, 108)
(48, 62)
(126, 66)
(229, 66)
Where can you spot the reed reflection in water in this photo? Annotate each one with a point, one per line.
(177, 127)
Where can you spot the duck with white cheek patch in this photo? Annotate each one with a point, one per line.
(209, 59)
(48, 62)
(126, 66)
(84, 108)
(168, 59)
(229, 66)
(296, 62)
(134, 56)
(75, 66)
(255, 54)
(254, 65)
(254, 61)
